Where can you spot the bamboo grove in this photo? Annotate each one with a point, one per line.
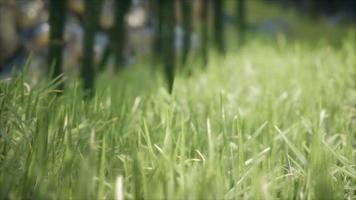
(164, 18)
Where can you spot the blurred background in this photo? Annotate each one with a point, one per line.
(89, 36)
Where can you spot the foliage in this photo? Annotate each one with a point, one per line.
(268, 121)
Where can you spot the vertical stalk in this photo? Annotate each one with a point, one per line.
(118, 32)
(219, 25)
(56, 21)
(204, 30)
(157, 43)
(168, 25)
(186, 10)
(92, 9)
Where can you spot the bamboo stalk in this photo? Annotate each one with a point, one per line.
(118, 32)
(219, 26)
(204, 31)
(56, 21)
(91, 15)
(168, 25)
(186, 10)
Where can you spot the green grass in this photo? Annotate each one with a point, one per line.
(301, 25)
(267, 121)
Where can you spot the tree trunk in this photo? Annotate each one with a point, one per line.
(158, 19)
(56, 20)
(91, 15)
(9, 42)
(219, 25)
(204, 30)
(118, 32)
(186, 10)
(168, 25)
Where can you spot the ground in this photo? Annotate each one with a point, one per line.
(270, 120)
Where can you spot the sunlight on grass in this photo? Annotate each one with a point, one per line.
(268, 121)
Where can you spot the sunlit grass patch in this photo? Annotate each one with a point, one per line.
(268, 121)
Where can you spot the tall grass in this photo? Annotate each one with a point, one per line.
(271, 121)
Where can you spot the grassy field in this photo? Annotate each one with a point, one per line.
(267, 121)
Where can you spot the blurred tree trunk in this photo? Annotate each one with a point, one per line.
(117, 37)
(315, 8)
(186, 10)
(57, 16)
(118, 32)
(9, 43)
(219, 25)
(158, 18)
(91, 16)
(204, 30)
(241, 20)
(168, 25)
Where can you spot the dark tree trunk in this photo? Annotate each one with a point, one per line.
(315, 8)
(186, 8)
(117, 36)
(9, 42)
(91, 15)
(118, 32)
(168, 25)
(241, 20)
(219, 25)
(204, 31)
(158, 20)
(56, 20)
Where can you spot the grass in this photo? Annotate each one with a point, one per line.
(300, 24)
(267, 121)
